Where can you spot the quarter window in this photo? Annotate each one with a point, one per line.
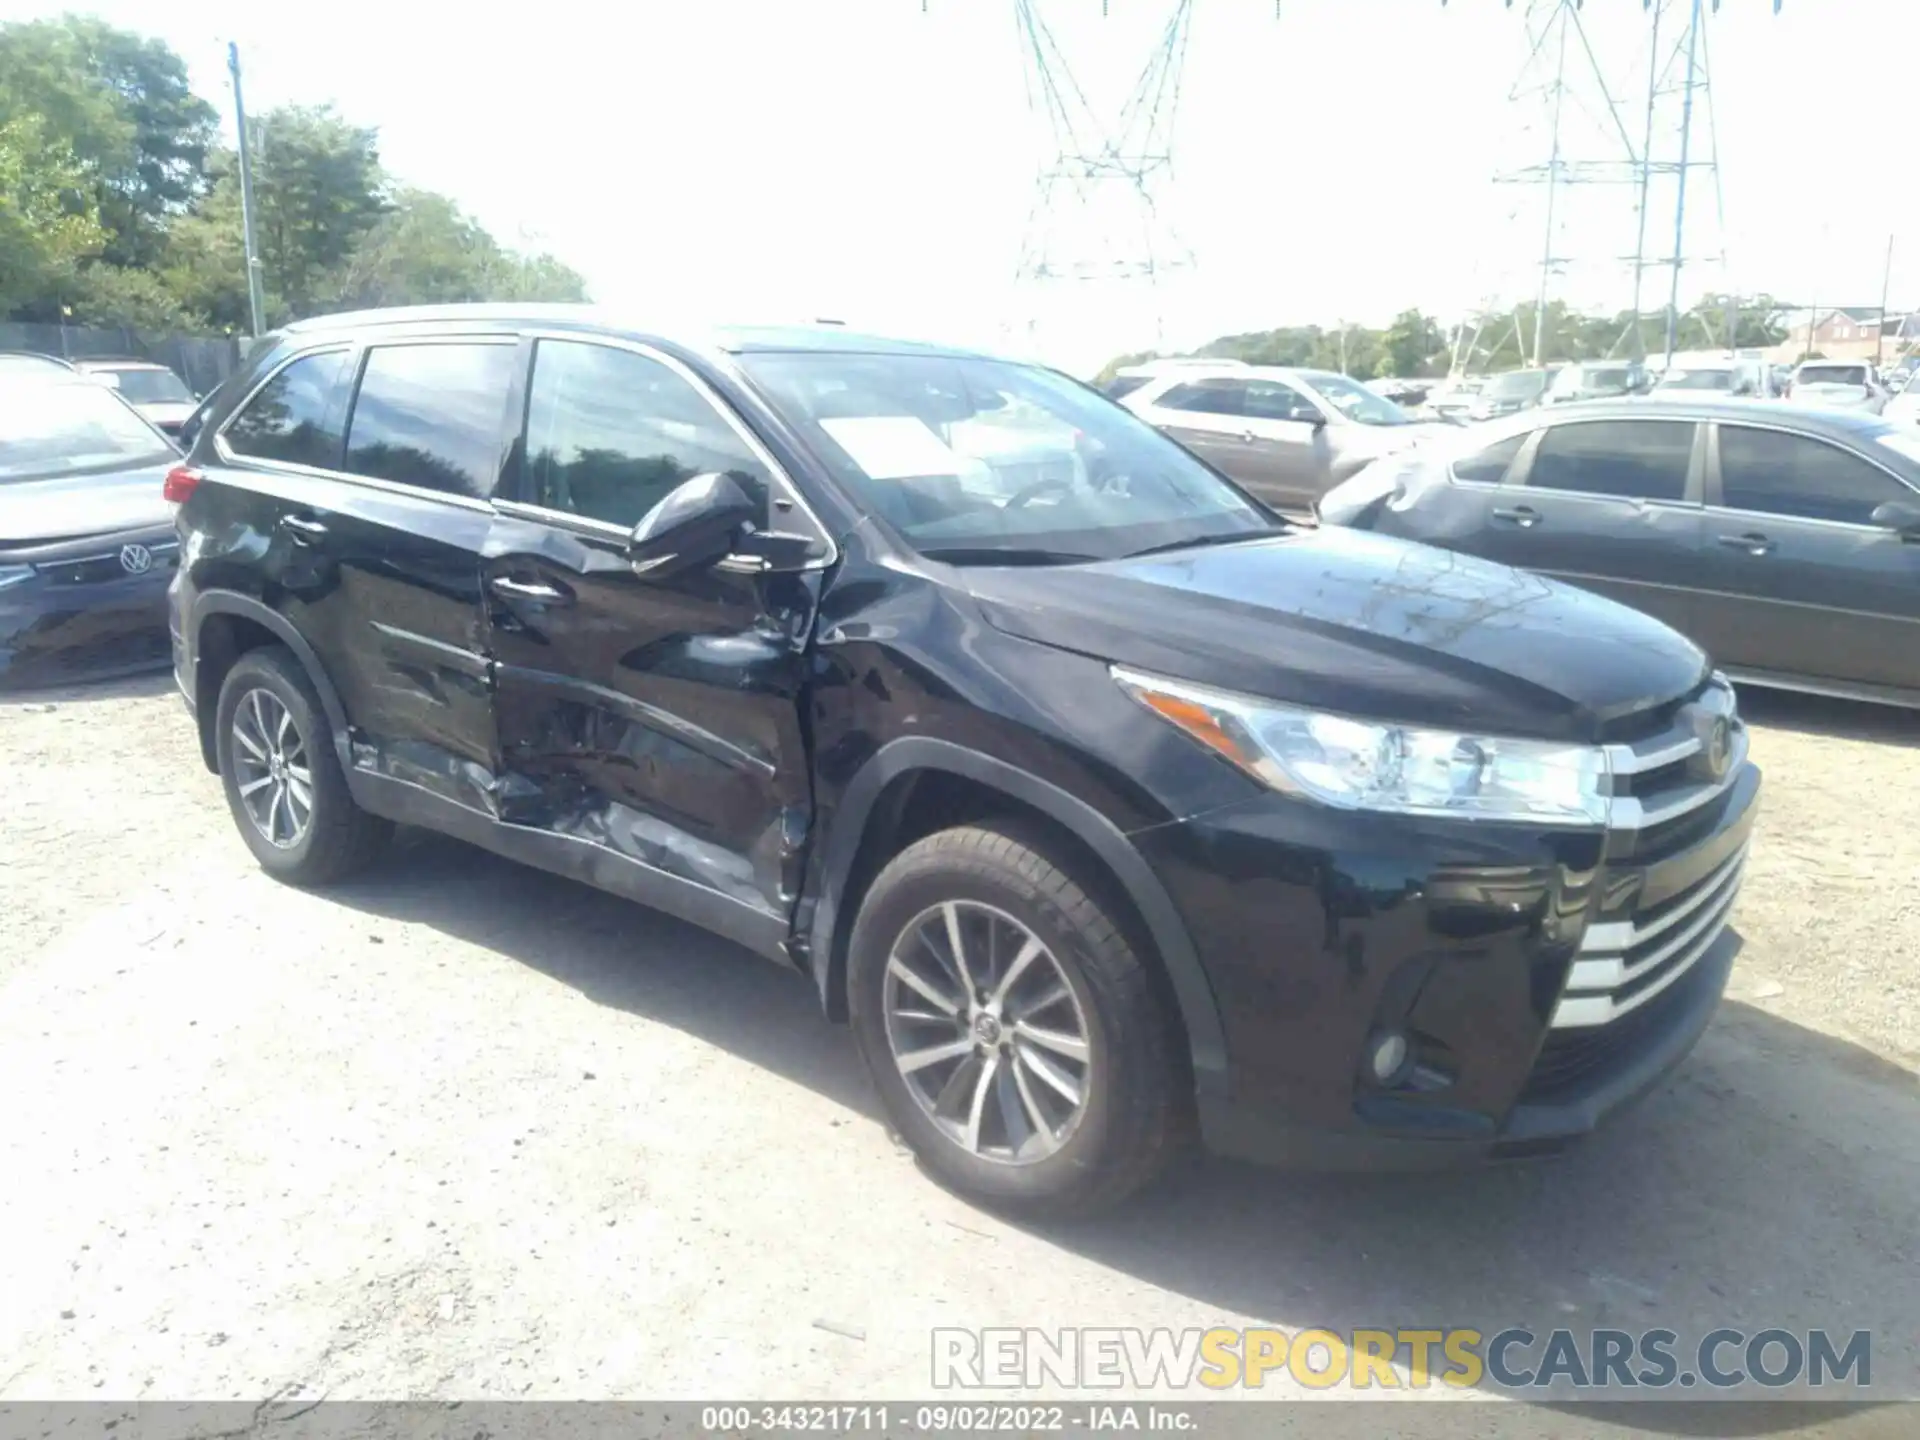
(1779, 474)
(1489, 466)
(287, 419)
(1630, 459)
(611, 433)
(1206, 397)
(430, 415)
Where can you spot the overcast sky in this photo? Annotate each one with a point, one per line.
(751, 159)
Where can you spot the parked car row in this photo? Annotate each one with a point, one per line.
(1785, 540)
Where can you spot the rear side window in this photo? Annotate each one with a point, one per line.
(1489, 466)
(1778, 474)
(430, 415)
(1631, 459)
(1206, 397)
(287, 419)
(1122, 385)
(1833, 375)
(610, 433)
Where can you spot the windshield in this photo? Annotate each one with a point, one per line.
(1124, 385)
(149, 387)
(65, 427)
(1357, 402)
(1697, 380)
(1518, 383)
(987, 461)
(1832, 375)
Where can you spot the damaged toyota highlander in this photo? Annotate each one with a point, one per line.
(1116, 815)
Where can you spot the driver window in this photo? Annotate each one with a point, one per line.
(610, 433)
(1270, 400)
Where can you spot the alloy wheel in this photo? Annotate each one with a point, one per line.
(270, 769)
(987, 1033)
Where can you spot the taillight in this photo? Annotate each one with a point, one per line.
(181, 482)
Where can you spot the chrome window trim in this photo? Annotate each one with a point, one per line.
(776, 472)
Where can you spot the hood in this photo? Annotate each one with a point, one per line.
(37, 511)
(1361, 624)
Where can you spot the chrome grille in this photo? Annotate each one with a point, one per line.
(1625, 963)
(1659, 780)
(1667, 775)
(96, 569)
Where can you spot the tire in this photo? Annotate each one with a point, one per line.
(336, 838)
(1005, 887)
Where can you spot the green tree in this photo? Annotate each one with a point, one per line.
(426, 250)
(121, 104)
(1414, 345)
(49, 222)
(534, 279)
(205, 266)
(318, 191)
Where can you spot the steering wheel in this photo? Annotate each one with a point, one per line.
(1027, 494)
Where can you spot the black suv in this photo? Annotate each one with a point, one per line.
(1109, 809)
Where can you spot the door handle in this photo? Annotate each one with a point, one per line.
(1525, 516)
(534, 590)
(1753, 542)
(303, 530)
(1249, 437)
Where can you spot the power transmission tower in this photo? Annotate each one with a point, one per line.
(1098, 216)
(1587, 137)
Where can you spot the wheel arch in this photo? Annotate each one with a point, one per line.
(857, 844)
(225, 625)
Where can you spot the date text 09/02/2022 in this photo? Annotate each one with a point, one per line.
(983, 1418)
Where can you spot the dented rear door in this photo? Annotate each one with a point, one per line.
(660, 719)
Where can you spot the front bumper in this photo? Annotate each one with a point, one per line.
(85, 615)
(1321, 931)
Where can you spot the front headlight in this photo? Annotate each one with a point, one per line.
(15, 575)
(1375, 765)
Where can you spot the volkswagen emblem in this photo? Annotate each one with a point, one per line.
(136, 559)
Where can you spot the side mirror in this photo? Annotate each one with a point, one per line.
(695, 525)
(1900, 516)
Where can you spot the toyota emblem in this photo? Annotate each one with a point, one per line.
(136, 559)
(1718, 747)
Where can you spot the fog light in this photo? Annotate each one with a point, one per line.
(1387, 1056)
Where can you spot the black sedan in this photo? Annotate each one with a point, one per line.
(86, 536)
(1784, 540)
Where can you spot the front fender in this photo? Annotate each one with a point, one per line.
(1199, 1014)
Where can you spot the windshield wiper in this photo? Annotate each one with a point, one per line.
(1228, 539)
(990, 555)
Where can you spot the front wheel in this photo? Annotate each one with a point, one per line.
(1019, 1044)
(282, 779)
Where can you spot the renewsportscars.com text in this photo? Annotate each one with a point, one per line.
(1404, 1359)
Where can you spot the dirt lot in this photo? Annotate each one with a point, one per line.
(465, 1130)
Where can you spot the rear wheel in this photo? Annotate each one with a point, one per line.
(282, 779)
(1018, 1042)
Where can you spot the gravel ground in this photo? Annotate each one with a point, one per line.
(465, 1130)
